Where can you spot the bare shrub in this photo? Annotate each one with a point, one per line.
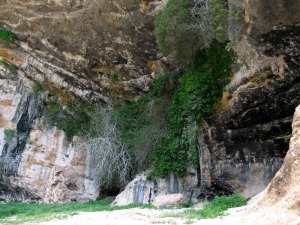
(202, 17)
(108, 160)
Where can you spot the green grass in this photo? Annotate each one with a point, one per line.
(18, 212)
(212, 209)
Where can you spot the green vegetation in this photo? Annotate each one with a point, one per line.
(37, 88)
(7, 36)
(12, 70)
(172, 30)
(212, 209)
(33, 212)
(184, 27)
(220, 19)
(142, 124)
(114, 77)
(161, 129)
(73, 118)
(10, 133)
(198, 91)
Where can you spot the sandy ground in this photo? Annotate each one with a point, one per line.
(133, 216)
(238, 216)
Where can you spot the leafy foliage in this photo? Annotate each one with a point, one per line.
(198, 91)
(184, 27)
(172, 30)
(164, 124)
(220, 19)
(114, 78)
(142, 124)
(37, 88)
(10, 133)
(73, 118)
(7, 36)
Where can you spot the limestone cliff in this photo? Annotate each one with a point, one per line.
(100, 50)
(244, 144)
(93, 49)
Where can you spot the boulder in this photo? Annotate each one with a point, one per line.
(167, 200)
(143, 190)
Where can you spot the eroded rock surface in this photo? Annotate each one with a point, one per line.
(279, 202)
(37, 162)
(100, 50)
(92, 49)
(244, 144)
(141, 190)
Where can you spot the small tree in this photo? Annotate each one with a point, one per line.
(185, 27)
(172, 30)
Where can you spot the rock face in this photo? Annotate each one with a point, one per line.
(92, 49)
(283, 189)
(244, 144)
(100, 50)
(279, 202)
(37, 162)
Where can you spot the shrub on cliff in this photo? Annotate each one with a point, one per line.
(143, 124)
(172, 30)
(7, 36)
(72, 117)
(10, 133)
(12, 71)
(184, 27)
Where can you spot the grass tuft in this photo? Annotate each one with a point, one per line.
(18, 212)
(212, 209)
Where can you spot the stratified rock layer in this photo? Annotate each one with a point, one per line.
(244, 144)
(93, 49)
(100, 50)
(279, 202)
(96, 50)
(37, 162)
